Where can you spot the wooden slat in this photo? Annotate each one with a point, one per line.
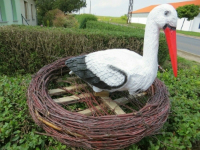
(101, 94)
(89, 112)
(122, 100)
(61, 91)
(138, 95)
(67, 79)
(112, 105)
(125, 100)
(71, 98)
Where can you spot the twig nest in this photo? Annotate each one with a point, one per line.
(75, 117)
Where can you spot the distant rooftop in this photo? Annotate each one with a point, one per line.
(176, 5)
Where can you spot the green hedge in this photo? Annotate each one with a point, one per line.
(113, 27)
(84, 18)
(26, 48)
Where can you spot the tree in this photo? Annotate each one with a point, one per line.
(43, 6)
(70, 5)
(188, 11)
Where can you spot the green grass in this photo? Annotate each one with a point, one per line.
(190, 33)
(118, 20)
(137, 25)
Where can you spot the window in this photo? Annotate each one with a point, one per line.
(2, 11)
(199, 25)
(14, 10)
(32, 12)
(0, 15)
(26, 9)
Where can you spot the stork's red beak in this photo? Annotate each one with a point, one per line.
(170, 33)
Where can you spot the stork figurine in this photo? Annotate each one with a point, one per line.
(121, 69)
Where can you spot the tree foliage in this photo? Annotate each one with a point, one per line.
(43, 6)
(69, 5)
(188, 11)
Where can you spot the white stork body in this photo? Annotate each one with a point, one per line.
(122, 69)
(139, 73)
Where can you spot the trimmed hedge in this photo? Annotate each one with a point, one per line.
(113, 27)
(26, 48)
(84, 18)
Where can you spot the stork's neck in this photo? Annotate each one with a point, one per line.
(151, 43)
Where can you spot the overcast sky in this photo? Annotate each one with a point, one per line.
(117, 8)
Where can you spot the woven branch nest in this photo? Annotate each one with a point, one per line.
(103, 129)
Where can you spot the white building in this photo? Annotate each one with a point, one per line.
(140, 16)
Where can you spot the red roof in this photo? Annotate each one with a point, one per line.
(176, 5)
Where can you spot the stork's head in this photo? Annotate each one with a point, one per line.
(165, 17)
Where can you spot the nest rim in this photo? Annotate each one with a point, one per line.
(90, 132)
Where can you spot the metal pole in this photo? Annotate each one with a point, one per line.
(90, 6)
(22, 19)
(130, 9)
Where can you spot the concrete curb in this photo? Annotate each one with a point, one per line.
(189, 56)
(195, 37)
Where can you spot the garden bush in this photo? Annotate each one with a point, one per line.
(84, 18)
(50, 16)
(28, 48)
(124, 17)
(57, 18)
(17, 130)
(70, 22)
(113, 27)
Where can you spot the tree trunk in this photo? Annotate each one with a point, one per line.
(183, 23)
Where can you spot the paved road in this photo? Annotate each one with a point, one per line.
(188, 44)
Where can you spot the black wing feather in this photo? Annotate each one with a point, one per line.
(79, 67)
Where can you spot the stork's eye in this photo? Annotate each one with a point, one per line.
(166, 13)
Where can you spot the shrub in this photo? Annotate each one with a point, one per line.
(82, 19)
(28, 48)
(113, 27)
(67, 21)
(70, 22)
(59, 20)
(50, 16)
(17, 130)
(124, 17)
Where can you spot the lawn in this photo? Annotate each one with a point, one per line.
(118, 20)
(189, 33)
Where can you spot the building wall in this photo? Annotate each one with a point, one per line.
(139, 18)
(186, 24)
(11, 11)
(195, 26)
(28, 11)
